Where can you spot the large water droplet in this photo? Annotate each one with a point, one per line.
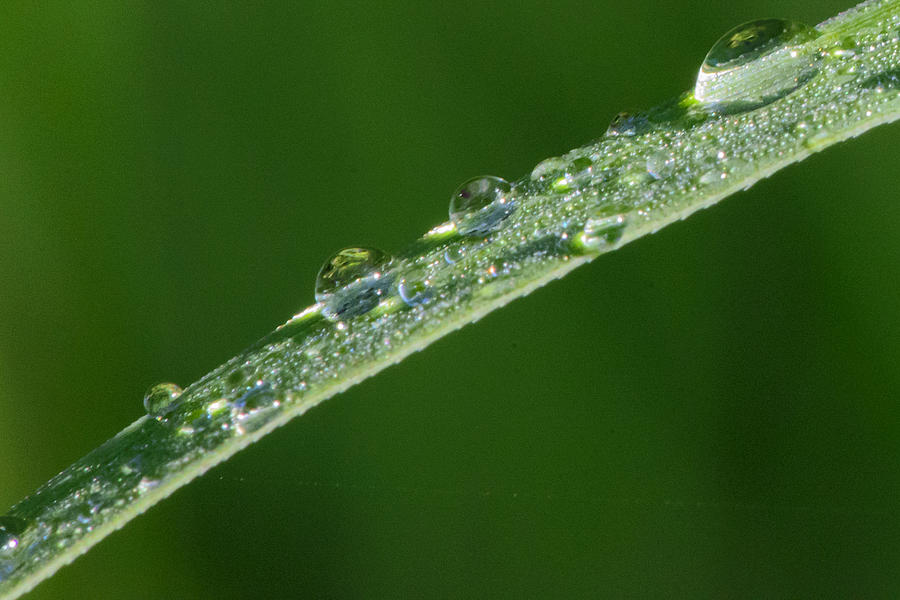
(479, 205)
(756, 63)
(352, 282)
(10, 530)
(160, 399)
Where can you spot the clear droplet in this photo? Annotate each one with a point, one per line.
(160, 399)
(603, 231)
(479, 205)
(549, 169)
(259, 397)
(625, 124)
(415, 290)
(660, 165)
(352, 282)
(11, 528)
(757, 63)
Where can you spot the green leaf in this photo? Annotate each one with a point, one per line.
(654, 169)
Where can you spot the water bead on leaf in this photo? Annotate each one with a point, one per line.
(352, 282)
(160, 399)
(414, 291)
(756, 63)
(602, 231)
(479, 205)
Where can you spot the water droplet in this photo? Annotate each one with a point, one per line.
(352, 282)
(603, 231)
(550, 168)
(10, 530)
(415, 290)
(756, 63)
(259, 397)
(479, 205)
(624, 123)
(160, 399)
(660, 165)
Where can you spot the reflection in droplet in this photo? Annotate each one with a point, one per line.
(161, 398)
(479, 205)
(757, 63)
(352, 282)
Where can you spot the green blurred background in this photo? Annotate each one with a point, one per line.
(710, 412)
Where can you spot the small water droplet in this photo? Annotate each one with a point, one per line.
(415, 290)
(549, 169)
(160, 399)
(603, 230)
(756, 63)
(625, 124)
(660, 165)
(352, 282)
(479, 205)
(259, 397)
(11, 528)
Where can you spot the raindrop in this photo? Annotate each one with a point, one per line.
(160, 399)
(603, 231)
(624, 123)
(549, 168)
(257, 398)
(479, 205)
(352, 282)
(756, 63)
(660, 165)
(10, 530)
(415, 290)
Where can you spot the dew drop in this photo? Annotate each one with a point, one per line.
(160, 399)
(479, 205)
(259, 397)
(623, 123)
(352, 282)
(10, 530)
(603, 231)
(415, 290)
(660, 165)
(756, 63)
(549, 169)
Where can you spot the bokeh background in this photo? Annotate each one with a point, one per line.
(709, 412)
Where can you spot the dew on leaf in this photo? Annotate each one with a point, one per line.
(352, 282)
(414, 290)
(603, 231)
(11, 528)
(756, 63)
(160, 399)
(479, 205)
(660, 164)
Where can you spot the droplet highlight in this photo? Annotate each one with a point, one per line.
(352, 282)
(479, 205)
(161, 399)
(757, 63)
